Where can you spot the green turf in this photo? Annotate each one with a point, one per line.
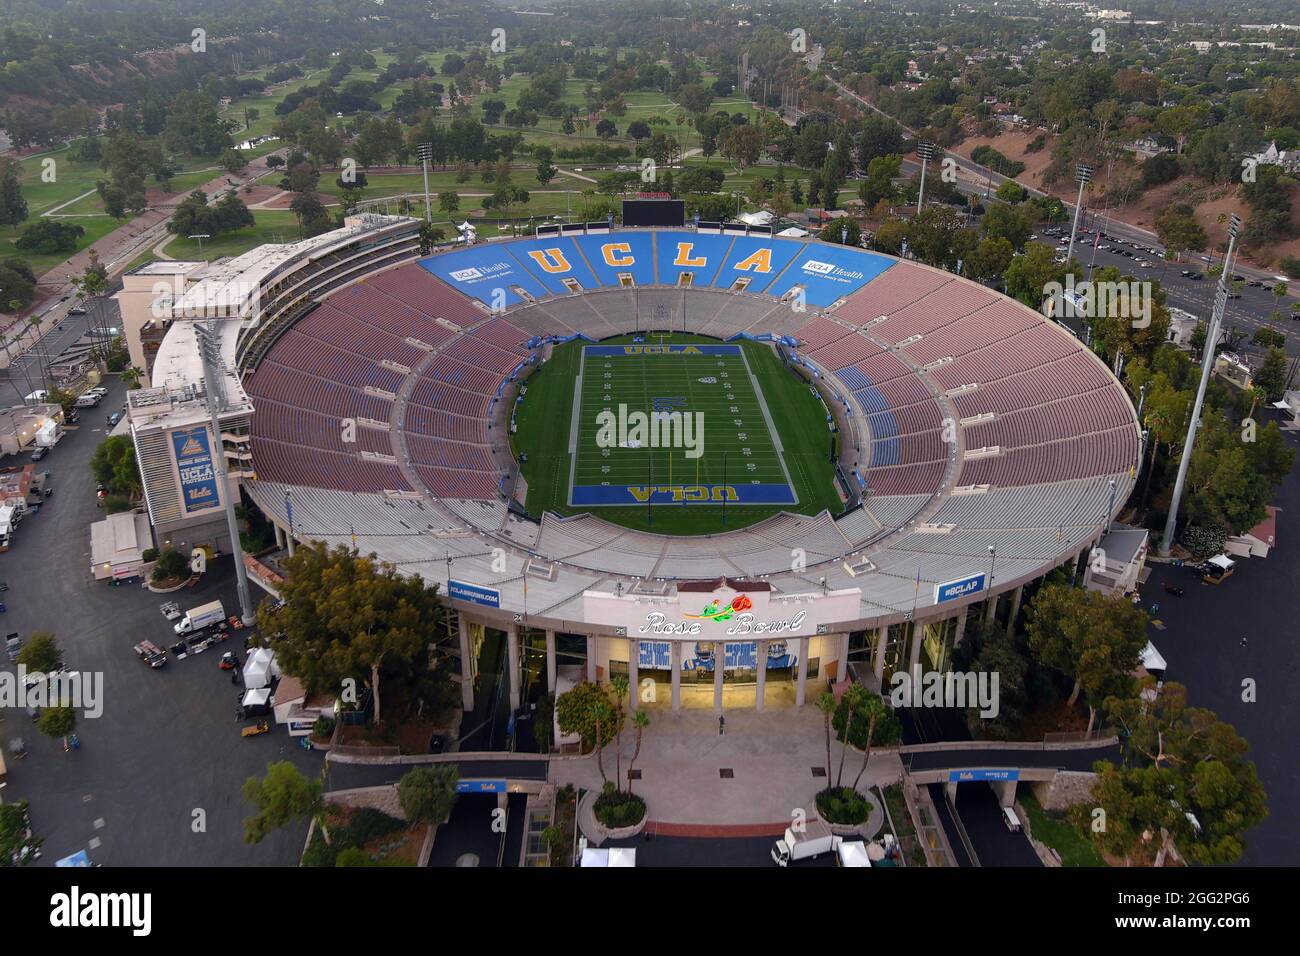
(1052, 829)
(544, 420)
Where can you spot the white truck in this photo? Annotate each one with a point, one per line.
(814, 839)
(197, 618)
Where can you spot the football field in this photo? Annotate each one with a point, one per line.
(660, 422)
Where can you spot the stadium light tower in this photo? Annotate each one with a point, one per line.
(210, 351)
(1082, 176)
(1207, 363)
(926, 152)
(425, 151)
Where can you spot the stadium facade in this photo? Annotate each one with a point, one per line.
(982, 447)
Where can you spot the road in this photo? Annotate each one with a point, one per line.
(982, 179)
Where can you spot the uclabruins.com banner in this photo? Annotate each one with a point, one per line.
(198, 474)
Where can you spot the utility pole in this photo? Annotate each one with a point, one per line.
(1083, 176)
(1207, 364)
(925, 151)
(214, 377)
(425, 151)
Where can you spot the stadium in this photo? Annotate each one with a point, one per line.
(886, 449)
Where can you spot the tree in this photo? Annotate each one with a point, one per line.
(1029, 273)
(586, 710)
(1092, 638)
(1272, 373)
(18, 845)
(113, 465)
(831, 232)
(742, 145)
(826, 704)
(1184, 776)
(57, 722)
(1179, 231)
(606, 128)
(349, 619)
(545, 167)
(282, 797)
(448, 202)
(427, 794)
(13, 207)
(871, 708)
(879, 184)
(638, 129)
(232, 160)
(640, 720)
(49, 236)
(41, 653)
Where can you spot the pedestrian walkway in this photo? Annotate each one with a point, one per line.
(770, 756)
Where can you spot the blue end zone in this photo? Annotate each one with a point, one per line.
(596, 495)
(651, 349)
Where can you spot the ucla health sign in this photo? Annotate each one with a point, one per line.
(971, 776)
(954, 590)
(197, 473)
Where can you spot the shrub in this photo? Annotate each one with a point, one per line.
(171, 564)
(843, 805)
(366, 824)
(617, 808)
(150, 554)
(115, 503)
(323, 728)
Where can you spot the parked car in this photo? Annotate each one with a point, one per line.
(13, 644)
(151, 654)
(40, 452)
(113, 419)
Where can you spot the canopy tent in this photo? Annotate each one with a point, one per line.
(854, 854)
(260, 668)
(614, 856)
(794, 232)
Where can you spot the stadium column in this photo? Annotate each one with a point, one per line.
(842, 645)
(918, 635)
(633, 671)
(591, 657)
(961, 627)
(550, 662)
(762, 674)
(801, 687)
(1015, 609)
(279, 535)
(512, 648)
(466, 667)
(878, 658)
(719, 666)
(990, 609)
(675, 662)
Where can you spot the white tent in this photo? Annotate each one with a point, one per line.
(760, 218)
(794, 232)
(260, 668)
(258, 697)
(854, 854)
(1151, 658)
(614, 856)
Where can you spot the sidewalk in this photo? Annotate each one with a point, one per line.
(771, 756)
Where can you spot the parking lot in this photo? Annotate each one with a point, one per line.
(157, 779)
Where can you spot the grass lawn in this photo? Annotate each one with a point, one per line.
(1057, 832)
(545, 416)
(96, 228)
(272, 225)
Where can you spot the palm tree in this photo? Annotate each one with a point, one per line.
(873, 708)
(641, 721)
(826, 704)
(131, 376)
(619, 683)
(852, 702)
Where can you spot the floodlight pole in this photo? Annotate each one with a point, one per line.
(1083, 176)
(925, 151)
(1207, 364)
(213, 375)
(425, 151)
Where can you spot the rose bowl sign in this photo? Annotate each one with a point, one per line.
(726, 612)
